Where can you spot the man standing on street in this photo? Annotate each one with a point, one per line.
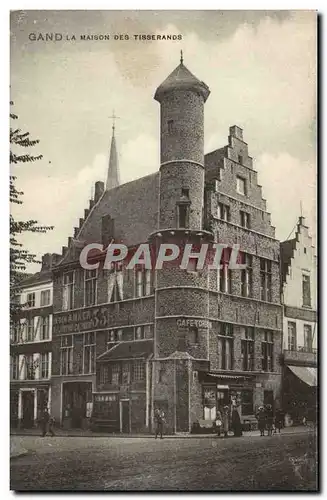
(44, 421)
(47, 423)
(159, 420)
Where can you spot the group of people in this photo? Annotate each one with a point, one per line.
(222, 422)
(268, 421)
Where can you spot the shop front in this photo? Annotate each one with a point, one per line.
(76, 404)
(300, 392)
(233, 391)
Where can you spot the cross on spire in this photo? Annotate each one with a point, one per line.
(113, 117)
(182, 57)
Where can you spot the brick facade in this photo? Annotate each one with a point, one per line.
(182, 313)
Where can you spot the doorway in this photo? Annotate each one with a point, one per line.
(28, 409)
(125, 416)
(268, 398)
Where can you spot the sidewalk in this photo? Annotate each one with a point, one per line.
(16, 450)
(86, 433)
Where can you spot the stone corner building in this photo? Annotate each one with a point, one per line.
(187, 341)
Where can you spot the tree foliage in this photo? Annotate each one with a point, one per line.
(20, 257)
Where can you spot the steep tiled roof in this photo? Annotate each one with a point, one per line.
(127, 350)
(133, 207)
(182, 79)
(34, 279)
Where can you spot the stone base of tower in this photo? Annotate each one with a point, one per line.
(175, 391)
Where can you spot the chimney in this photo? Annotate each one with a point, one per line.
(64, 251)
(81, 222)
(86, 213)
(98, 191)
(46, 262)
(91, 204)
(107, 229)
(76, 231)
(236, 131)
(70, 239)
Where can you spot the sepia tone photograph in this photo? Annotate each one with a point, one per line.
(163, 251)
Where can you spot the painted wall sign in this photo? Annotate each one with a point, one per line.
(79, 321)
(190, 322)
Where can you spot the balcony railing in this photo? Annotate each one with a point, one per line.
(301, 355)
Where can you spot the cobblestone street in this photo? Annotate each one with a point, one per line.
(280, 462)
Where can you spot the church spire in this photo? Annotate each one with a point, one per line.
(113, 178)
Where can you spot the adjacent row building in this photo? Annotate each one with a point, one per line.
(127, 341)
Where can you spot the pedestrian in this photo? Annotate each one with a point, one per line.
(261, 417)
(159, 417)
(44, 421)
(236, 423)
(51, 426)
(279, 420)
(269, 419)
(225, 425)
(219, 422)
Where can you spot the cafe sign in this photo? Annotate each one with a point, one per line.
(191, 322)
(80, 321)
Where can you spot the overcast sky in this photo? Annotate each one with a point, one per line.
(261, 70)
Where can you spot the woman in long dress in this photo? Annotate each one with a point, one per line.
(261, 417)
(236, 423)
(225, 420)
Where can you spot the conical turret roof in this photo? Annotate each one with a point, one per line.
(182, 79)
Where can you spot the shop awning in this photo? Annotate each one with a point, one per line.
(227, 377)
(205, 376)
(307, 374)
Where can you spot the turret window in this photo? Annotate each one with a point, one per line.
(170, 125)
(194, 335)
(183, 216)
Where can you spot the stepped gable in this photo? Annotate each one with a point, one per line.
(288, 247)
(286, 254)
(222, 168)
